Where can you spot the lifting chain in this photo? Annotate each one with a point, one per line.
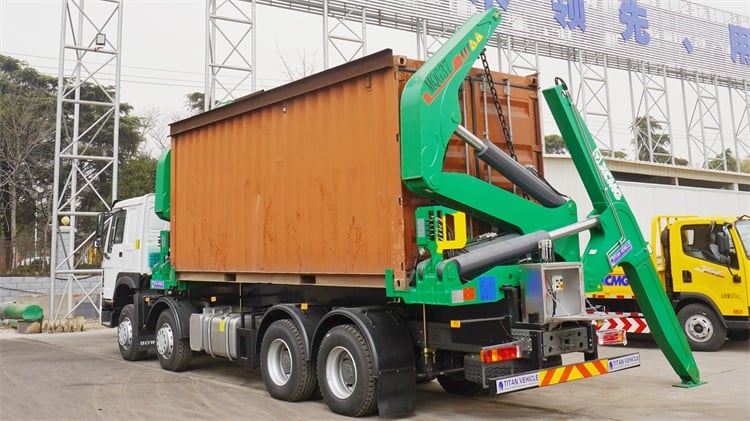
(496, 100)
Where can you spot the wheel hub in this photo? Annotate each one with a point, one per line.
(341, 372)
(699, 328)
(279, 362)
(165, 341)
(125, 333)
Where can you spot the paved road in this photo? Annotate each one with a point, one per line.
(76, 376)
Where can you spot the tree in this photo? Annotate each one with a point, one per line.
(617, 154)
(27, 134)
(195, 102)
(745, 165)
(27, 127)
(307, 66)
(554, 144)
(137, 176)
(651, 145)
(717, 163)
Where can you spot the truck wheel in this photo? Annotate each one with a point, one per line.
(703, 328)
(125, 335)
(174, 353)
(457, 384)
(346, 372)
(286, 373)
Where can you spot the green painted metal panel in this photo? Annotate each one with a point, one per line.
(163, 187)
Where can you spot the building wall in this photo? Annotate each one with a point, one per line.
(648, 200)
(12, 287)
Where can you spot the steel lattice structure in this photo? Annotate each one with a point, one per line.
(86, 146)
(530, 40)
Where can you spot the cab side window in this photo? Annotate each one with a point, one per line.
(116, 230)
(700, 242)
(694, 241)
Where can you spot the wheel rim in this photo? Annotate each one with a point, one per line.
(699, 328)
(341, 372)
(279, 362)
(125, 333)
(165, 341)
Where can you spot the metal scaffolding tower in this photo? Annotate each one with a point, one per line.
(230, 36)
(347, 39)
(86, 142)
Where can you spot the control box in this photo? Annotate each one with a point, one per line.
(552, 292)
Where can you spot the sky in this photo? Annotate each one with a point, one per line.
(163, 45)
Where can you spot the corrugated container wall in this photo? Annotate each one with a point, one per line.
(302, 183)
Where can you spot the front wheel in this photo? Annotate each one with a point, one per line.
(346, 372)
(125, 334)
(174, 353)
(702, 326)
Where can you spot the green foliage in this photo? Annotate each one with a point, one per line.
(195, 102)
(27, 136)
(651, 143)
(137, 176)
(554, 144)
(745, 165)
(717, 163)
(618, 154)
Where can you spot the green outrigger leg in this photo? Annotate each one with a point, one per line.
(618, 239)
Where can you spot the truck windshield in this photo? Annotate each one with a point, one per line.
(743, 229)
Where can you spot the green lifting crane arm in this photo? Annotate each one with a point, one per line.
(430, 115)
(618, 239)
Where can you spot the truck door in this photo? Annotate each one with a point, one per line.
(697, 270)
(113, 262)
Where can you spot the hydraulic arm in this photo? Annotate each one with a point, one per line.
(618, 239)
(483, 271)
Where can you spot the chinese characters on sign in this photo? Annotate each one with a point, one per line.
(488, 4)
(570, 14)
(739, 44)
(634, 19)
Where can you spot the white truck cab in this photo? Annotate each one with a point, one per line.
(131, 245)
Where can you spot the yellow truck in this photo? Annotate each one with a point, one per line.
(704, 266)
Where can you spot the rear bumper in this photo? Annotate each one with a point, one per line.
(563, 374)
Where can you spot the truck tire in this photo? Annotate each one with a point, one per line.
(346, 372)
(174, 353)
(456, 384)
(125, 334)
(702, 326)
(286, 373)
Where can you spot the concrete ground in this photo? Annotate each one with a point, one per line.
(73, 376)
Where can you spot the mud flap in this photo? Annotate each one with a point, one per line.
(389, 338)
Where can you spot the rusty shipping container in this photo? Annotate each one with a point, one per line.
(301, 184)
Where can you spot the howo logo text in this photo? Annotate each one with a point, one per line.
(607, 174)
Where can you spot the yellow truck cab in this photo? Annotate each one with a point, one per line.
(704, 266)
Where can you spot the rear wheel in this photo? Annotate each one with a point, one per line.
(125, 334)
(702, 326)
(346, 372)
(174, 353)
(286, 373)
